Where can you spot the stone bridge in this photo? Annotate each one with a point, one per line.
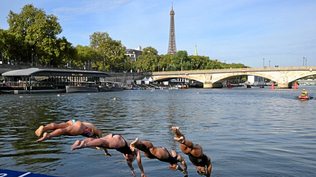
(284, 76)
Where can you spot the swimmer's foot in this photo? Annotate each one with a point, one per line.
(132, 146)
(180, 140)
(45, 136)
(39, 131)
(100, 148)
(175, 129)
(177, 132)
(75, 145)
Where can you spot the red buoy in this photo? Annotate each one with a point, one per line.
(229, 85)
(272, 86)
(295, 86)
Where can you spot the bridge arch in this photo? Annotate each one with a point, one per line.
(284, 76)
(222, 78)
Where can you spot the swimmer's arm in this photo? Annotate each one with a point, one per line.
(181, 160)
(99, 133)
(130, 165)
(106, 152)
(209, 167)
(139, 162)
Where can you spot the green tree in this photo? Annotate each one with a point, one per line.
(111, 52)
(38, 34)
(164, 62)
(149, 60)
(199, 62)
(12, 47)
(181, 60)
(86, 56)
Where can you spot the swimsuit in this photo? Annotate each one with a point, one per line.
(198, 161)
(125, 149)
(88, 131)
(170, 159)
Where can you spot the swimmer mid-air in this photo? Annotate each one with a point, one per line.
(71, 128)
(162, 154)
(201, 162)
(114, 141)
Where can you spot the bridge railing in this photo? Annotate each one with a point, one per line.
(295, 68)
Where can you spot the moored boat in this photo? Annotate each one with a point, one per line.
(107, 86)
(109, 89)
(72, 89)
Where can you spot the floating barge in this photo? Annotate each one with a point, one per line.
(37, 80)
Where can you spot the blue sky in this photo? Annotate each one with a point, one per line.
(232, 31)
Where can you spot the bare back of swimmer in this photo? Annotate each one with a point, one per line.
(70, 127)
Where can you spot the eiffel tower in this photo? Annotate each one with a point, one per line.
(172, 49)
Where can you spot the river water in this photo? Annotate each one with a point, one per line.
(246, 132)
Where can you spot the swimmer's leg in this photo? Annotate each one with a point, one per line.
(134, 144)
(45, 136)
(78, 145)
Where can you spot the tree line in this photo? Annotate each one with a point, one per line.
(32, 39)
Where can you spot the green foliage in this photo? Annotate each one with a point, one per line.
(85, 55)
(164, 62)
(110, 53)
(33, 33)
(149, 60)
(12, 46)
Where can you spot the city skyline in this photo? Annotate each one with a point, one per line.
(254, 33)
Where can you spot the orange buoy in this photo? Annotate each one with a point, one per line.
(272, 86)
(295, 86)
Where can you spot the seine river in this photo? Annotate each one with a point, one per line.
(246, 132)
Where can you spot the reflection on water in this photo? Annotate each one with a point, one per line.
(246, 132)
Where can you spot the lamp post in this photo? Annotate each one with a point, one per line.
(269, 63)
(181, 64)
(131, 66)
(32, 58)
(303, 61)
(104, 62)
(124, 66)
(263, 62)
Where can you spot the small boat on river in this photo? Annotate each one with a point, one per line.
(303, 97)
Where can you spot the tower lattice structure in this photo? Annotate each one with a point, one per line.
(172, 49)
